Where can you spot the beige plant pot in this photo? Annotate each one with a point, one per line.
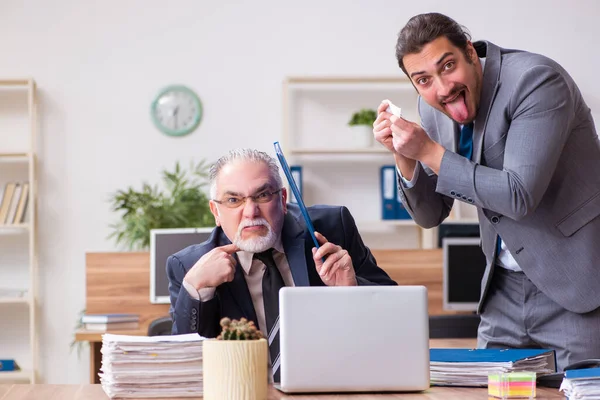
(235, 369)
(361, 136)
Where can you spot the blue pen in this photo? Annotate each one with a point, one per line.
(294, 188)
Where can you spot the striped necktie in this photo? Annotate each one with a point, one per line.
(271, 283)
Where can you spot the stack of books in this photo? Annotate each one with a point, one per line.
(13, 203)
(110, 322)
(471, 367)
(582, 384)
(151, 366)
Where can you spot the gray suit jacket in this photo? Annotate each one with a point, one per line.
(534, 177)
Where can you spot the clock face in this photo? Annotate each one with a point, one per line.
(176, 111)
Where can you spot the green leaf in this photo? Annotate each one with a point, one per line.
(179, 203)
(365, 116)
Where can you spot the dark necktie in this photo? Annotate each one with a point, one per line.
(271, 283)
(465, 149)
(465, 144)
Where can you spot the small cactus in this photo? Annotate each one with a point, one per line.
(239, 330)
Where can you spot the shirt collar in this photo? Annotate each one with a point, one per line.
(246, 257)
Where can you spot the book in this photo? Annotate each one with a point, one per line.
(14, 203)
(6, 199)
(471, 367)
(22, 207)
(109, 326)
(581, 383)
(108, 318)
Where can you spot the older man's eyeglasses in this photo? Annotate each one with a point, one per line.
(236, 201)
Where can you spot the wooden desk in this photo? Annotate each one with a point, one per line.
(95, 392)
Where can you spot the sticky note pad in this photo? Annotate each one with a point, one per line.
(512, 385)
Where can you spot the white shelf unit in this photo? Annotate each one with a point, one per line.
(18, 241)
(22, 376)
(337, 170)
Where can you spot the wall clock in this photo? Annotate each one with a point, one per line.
(176, 110)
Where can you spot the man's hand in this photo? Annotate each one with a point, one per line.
(214, 268)
(411, 141)
(381, 127)
(337, 270)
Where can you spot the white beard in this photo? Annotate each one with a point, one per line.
(255, 244)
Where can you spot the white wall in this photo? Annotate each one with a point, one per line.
(99, 64)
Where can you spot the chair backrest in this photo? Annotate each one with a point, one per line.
(160, 327)
(453, 326)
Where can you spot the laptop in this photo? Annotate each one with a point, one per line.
(354, 339)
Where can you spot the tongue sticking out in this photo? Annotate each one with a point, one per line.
(458, 109)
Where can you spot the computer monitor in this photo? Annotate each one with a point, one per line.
(463, 267)
(457, 229)
(163, 243)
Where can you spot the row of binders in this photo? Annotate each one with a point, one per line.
(391, 205)
(151, 366)
(13, 204)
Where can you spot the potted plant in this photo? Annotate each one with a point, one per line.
(361, 125)
(235, 363)
(181, 203)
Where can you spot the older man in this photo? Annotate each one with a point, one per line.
(259, 245)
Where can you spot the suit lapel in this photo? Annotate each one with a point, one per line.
(292, 239)
(490, 85)
(238, 288)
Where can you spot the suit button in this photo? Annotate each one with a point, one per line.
(464, 197)
(194, 327)
(452, 192)
(194, 312)
(495, 219)
(470, 200)
(458, 195)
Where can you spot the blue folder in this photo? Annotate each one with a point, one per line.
(488, 355)
(586, 373)
(8, 365)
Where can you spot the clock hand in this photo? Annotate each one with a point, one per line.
(175, 114)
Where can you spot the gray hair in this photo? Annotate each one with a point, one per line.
(243, 155)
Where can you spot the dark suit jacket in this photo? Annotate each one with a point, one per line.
(233, 300)
(533, 178)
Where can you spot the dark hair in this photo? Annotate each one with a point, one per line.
(425, 28)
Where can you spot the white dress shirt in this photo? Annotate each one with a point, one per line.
(253, 272)
(504, 258)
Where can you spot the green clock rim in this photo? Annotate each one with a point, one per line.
(177, 132)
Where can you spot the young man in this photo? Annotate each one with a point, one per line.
(509, 132)
(261, 244)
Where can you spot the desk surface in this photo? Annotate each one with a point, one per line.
(95, 392)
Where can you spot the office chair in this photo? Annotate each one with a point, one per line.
(453, 326)
(160, 326)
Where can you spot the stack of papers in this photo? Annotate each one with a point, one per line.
(471, 367)
(582, 384)
(151, 366)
